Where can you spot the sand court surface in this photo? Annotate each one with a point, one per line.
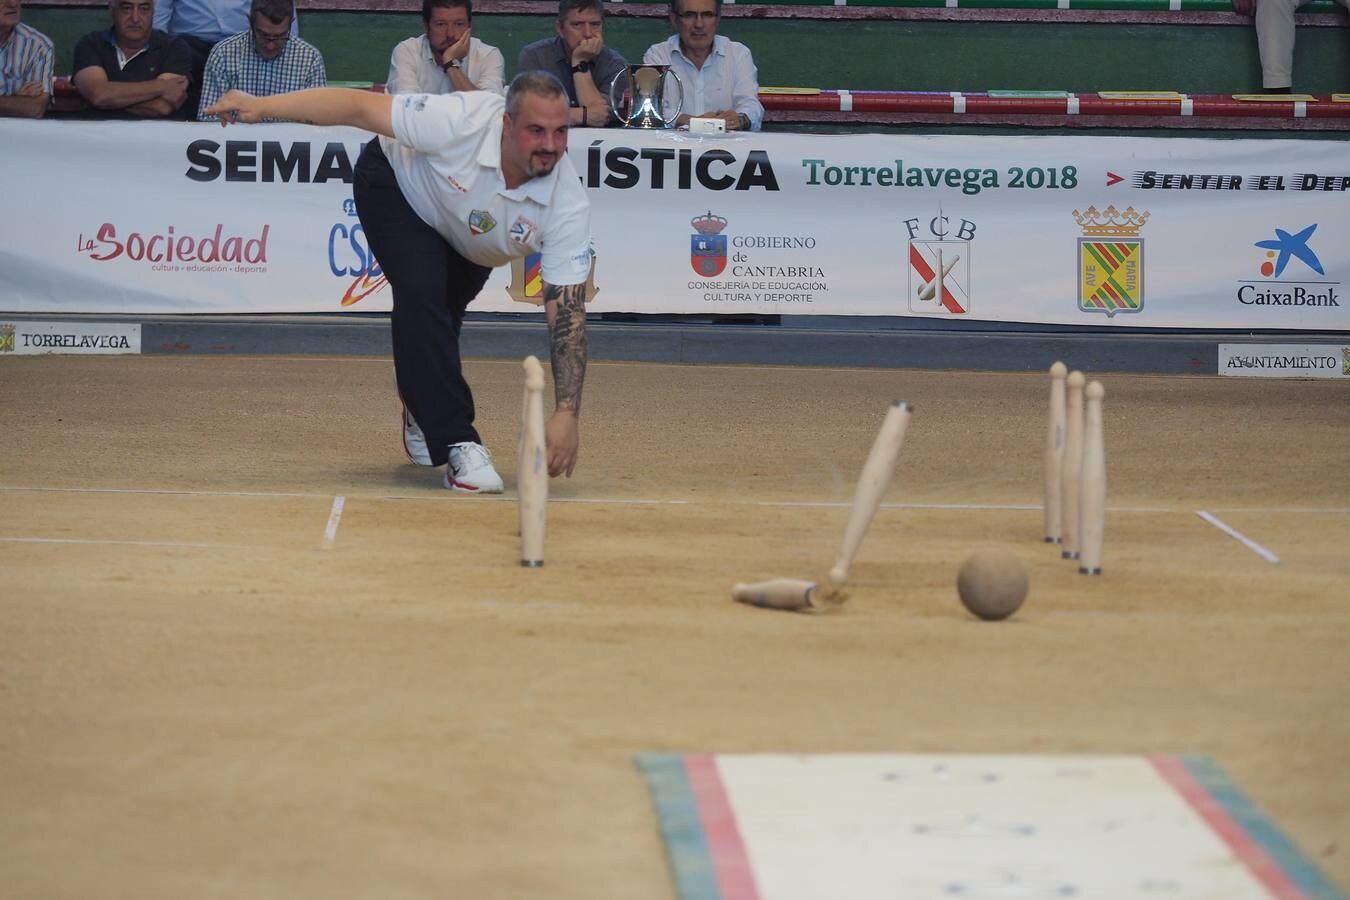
(246, 649)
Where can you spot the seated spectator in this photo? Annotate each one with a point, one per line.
(446, 57)
(1275, 39)
(267, 59)
(202, 24)
(26, 56)
(578, 58)
(131, 71)
(719, 75)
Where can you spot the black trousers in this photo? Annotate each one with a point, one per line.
(432, 286)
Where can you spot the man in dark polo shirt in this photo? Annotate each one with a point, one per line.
(132, 71)
(577, 56)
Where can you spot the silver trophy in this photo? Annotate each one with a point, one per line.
(638, 97)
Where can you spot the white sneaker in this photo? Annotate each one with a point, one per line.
(414, 441)
(470, 469)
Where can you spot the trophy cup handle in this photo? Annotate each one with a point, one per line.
(615, 104)
(679, 103)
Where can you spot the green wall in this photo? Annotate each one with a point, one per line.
(961, 56)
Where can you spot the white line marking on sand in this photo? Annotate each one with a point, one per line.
(71, 490)
(330, 533)
(24, 540)
(1283, 509)
(1014, 506)
(512, 498)
(1234, 533)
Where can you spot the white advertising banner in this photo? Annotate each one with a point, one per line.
(113, 217)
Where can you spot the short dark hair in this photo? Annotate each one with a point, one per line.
(566, 6)
(275, 11)
(537, 82)
(675, 7)
(429, 5)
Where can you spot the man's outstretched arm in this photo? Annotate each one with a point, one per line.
(565, 308)
(312, 106)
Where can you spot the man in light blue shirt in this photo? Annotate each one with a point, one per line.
(718, 75)
(265, 60)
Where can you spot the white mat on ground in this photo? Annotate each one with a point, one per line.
(836, 827)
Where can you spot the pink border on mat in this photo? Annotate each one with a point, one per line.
(1253, 855)
(735, 878)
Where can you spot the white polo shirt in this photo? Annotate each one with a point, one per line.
(447, 159)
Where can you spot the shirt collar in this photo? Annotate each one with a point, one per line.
(111, 37)
(540, 190)
(718, 47)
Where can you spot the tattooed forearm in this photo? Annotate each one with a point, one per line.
(567, 331)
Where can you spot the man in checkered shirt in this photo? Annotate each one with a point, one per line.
(265, 60)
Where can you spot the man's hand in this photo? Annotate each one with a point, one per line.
(588, 49)
(235, 106)
(173, 88)
(1244, 7)
(732, 119)
(561, 437)
(458, 50)
(32, 89)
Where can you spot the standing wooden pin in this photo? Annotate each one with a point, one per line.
(1092, 517)
(532, 468)
(1054, 456)
(872, 484)
(1072, 470)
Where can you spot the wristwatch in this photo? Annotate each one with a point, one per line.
(452, 64)
(582, 67)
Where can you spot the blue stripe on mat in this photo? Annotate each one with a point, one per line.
(1302, 872)
(691, 860)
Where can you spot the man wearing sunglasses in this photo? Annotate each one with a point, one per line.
(265, 60)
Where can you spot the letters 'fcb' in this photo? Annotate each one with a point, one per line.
(1111, 260)
(708, 248)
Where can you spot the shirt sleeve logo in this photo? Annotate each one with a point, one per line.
(522, 230)
(481, 221)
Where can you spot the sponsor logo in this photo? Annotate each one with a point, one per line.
(481, 221)
(1289, 253)
(939, 266)
(1111, 260)
(456, 185)
(708, 246)
(172, 251)
(1284, 247)
(1284, 360)
(350, 258)
(522, 231)
(69, 337)
(527, 278)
